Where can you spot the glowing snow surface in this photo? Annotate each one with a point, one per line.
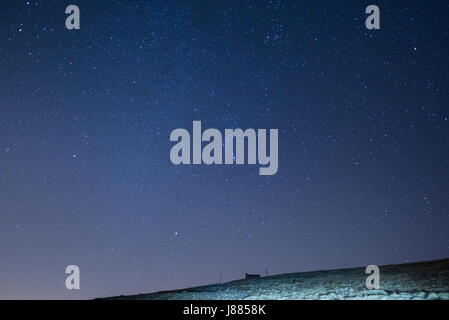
(422, 280)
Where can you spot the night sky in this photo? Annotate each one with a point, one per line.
(86, 117)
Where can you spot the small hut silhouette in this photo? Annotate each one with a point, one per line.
(251, 276)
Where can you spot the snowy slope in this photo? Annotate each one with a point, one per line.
(422, 280)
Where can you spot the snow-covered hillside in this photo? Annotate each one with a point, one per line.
(422, 280)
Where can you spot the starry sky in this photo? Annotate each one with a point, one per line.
(86, 116)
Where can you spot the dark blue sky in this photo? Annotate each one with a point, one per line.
(86, 116)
